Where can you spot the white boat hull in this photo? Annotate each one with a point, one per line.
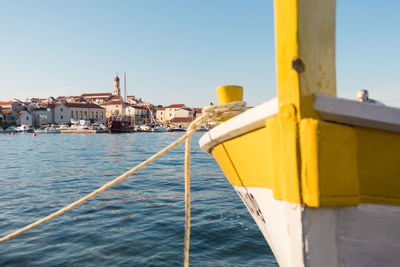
(363, 235)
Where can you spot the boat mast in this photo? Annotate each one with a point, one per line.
(124, 99)
(125, 86)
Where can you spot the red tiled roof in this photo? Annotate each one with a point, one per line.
(97, 94)
(6, 111)
(61, 97)
(21, 112)
(176, 106)
(7, 103)
(198, 110)
(183, 119)
(138, 107)
(113, 102)
(80, 105)
(116, 97)
(47, 105)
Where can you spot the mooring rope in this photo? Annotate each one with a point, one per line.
(209, 113)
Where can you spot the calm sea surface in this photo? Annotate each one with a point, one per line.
(139, 222)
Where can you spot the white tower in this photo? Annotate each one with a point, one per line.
(116, 90)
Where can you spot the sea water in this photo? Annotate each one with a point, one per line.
(139, 222)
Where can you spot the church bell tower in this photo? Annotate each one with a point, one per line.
(116, 90)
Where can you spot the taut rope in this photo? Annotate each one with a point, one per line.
(210, 113)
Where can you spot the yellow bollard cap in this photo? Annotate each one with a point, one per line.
(227, 94)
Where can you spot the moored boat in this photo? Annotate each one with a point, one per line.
(120, 126)
(24, 129)
(318, 174)
(158, 129)
(177, 129)
(144, 128)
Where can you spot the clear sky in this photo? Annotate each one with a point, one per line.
(180, 51)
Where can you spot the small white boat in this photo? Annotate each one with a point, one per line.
(144, 128)
(51, 129)
(23, 129)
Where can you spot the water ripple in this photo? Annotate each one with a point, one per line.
(139, 222)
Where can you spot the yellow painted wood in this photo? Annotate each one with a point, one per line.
(378, 166)
(226, 165)
(273, 156)
(287, 178)
(329, 164)
(266, 157)
(305, 52)
(340, 165)
(253, 169)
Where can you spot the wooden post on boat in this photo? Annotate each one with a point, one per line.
(305, 53)
(305, 64)
(315, 163)
(319, 163)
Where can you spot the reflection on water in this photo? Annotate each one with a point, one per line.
(139, 222)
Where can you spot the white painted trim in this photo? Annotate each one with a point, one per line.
(279, 221)
(357, 113)
(363, 235)
(249, 120)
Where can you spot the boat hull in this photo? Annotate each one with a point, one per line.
(363, 235)
(120, 127)
(121, 130)
(327, 200)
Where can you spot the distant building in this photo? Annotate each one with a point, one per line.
(113, 108)
(10, 117)
(160, 114)
(117, 90)
(16, 106)
(33, 101)
(25, 118)
(117, 109)
(171, 110)
(64, 113)
(177, 111)
(197, 112)
(184, 113)
(116, 98)
(50, 100)
(43, 115)
(133, 100)
(97, 98)
(77, 99)
(141, 114)
(61, 99)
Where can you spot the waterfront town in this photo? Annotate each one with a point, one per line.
(89, 109)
